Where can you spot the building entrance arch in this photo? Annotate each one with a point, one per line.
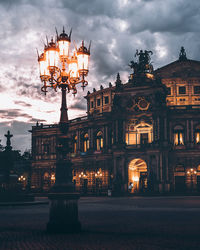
(137, 176)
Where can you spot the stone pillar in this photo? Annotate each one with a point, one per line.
(91, 138)
(187, 131)
(79, 141)
(192, 132)
(165, 128)
(106, 136)
(158, 128)
(116, 131)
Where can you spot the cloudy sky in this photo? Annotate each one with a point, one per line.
(116, 27)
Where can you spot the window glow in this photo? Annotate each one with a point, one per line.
(75, 145)
(135, 134)
(197, 137)
(178, 138)
(86, 143)
(99, 141)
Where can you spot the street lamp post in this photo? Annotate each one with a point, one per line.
(60, 70)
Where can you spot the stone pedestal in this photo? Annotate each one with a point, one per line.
(63, 216)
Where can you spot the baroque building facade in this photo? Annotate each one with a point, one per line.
(140, 136)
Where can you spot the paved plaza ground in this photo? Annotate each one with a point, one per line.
(108, 223)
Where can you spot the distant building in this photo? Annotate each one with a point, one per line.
(137, 137)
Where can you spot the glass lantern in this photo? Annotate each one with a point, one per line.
(83, 55)
(52, 56)
(63, 44)
(43, 66)
(73, 68)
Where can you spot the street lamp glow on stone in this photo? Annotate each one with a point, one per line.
(60, 70)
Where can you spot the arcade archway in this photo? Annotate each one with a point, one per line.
(137, 176)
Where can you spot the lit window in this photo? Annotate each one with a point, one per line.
(197, 135)
(86, 143)
(106, 99)
(53, 178)
(197, 90)
(75, 145)
(98, 102)
(178, 135)
(139, 134)
(182, 90)
(99, 141)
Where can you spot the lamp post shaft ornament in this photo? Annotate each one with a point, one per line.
(60, 70)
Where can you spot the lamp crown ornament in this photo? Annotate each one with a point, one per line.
(58, 68)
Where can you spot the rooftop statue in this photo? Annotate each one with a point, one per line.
(182, 54)
(8, 142)
(143, 64)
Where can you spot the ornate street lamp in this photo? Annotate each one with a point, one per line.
(60, 70)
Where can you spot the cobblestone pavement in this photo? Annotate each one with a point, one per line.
(108, 223)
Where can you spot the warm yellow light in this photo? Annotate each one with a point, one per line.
(53, 177)
(176, 139)
(73, 69)
(52, 57)
(181, 139)
(83, 62)
(198, 137)
(43, 66)
(63, 48)
(135, 178)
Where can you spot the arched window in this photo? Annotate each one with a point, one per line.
(99, 140)
(178, 135)
(86, 143)
(197, 134)
(74, 149)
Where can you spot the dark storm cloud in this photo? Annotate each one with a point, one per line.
(116, 27)
(23, 103)
(78, 105)
(13, 113)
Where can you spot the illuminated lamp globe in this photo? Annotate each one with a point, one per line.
(52, 56)
(83, 55)
(73, 68)
(43, 66)
(63, 44)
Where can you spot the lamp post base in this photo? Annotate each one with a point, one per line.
(63, 217)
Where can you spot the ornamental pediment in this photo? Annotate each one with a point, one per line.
(132, 103)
